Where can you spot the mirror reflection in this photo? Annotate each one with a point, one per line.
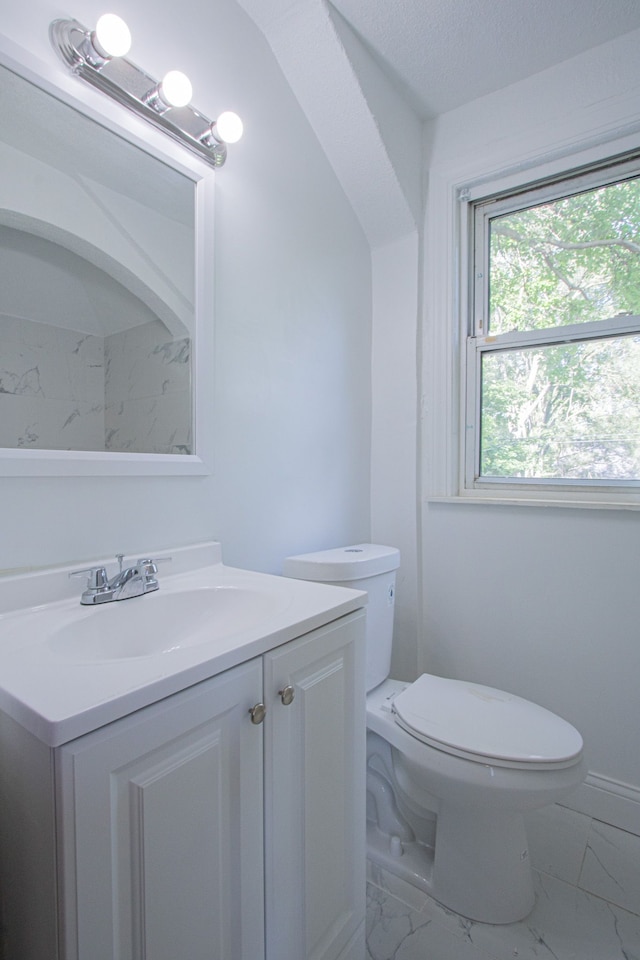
(97, 266)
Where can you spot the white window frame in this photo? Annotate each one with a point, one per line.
(479, 341)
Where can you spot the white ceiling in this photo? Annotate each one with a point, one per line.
(444, 53)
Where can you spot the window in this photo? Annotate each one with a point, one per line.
(553, 353)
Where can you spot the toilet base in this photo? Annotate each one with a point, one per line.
(409, 860)
(480, 867)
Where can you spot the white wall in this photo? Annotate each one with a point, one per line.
(290, 425)
(539, 601)
(394, 451)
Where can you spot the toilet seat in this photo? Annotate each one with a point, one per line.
(485, 725)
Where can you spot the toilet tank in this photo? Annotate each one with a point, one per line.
(363, 566)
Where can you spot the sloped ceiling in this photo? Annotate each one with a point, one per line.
(369, 133)
(444, 53)
(369, 73)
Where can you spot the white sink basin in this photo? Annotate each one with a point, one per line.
(162, 623)
(68, 669)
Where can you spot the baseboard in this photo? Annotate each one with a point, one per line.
(609, 801)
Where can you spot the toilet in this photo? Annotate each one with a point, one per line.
(452, 766)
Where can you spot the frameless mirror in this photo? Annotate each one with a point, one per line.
(97, 285)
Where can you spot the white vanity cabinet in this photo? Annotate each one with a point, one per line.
(315, 795)
(162, 834)
(186, 830)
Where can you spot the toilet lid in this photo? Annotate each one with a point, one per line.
(468, 718)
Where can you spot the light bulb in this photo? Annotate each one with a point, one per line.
(229, 127)
(176, 89)
(113, 35)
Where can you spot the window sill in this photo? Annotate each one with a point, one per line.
(507, 501)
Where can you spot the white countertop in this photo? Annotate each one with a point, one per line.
(58, 696)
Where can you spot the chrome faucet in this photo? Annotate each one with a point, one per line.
(133, 581)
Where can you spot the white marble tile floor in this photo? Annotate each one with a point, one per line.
(596, 857)
(611, 866)
(567, 923)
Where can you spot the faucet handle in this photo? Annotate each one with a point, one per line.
(149, 566)
(96, 577)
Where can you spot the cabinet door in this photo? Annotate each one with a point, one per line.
(315, 795)
(162, 829)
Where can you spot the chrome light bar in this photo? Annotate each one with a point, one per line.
(81, 50)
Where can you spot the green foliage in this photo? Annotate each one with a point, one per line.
(565, 410)
(568, 261)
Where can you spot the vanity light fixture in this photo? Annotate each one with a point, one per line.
(99, 57)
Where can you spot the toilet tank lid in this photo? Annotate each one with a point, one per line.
(343, 563)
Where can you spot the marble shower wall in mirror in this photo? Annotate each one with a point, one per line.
(65, 390)
(97, 263)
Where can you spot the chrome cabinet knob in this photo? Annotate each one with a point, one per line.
(258, 713)
(287, 694)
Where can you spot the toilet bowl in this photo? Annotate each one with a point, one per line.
(472, 855)
(452, 766)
